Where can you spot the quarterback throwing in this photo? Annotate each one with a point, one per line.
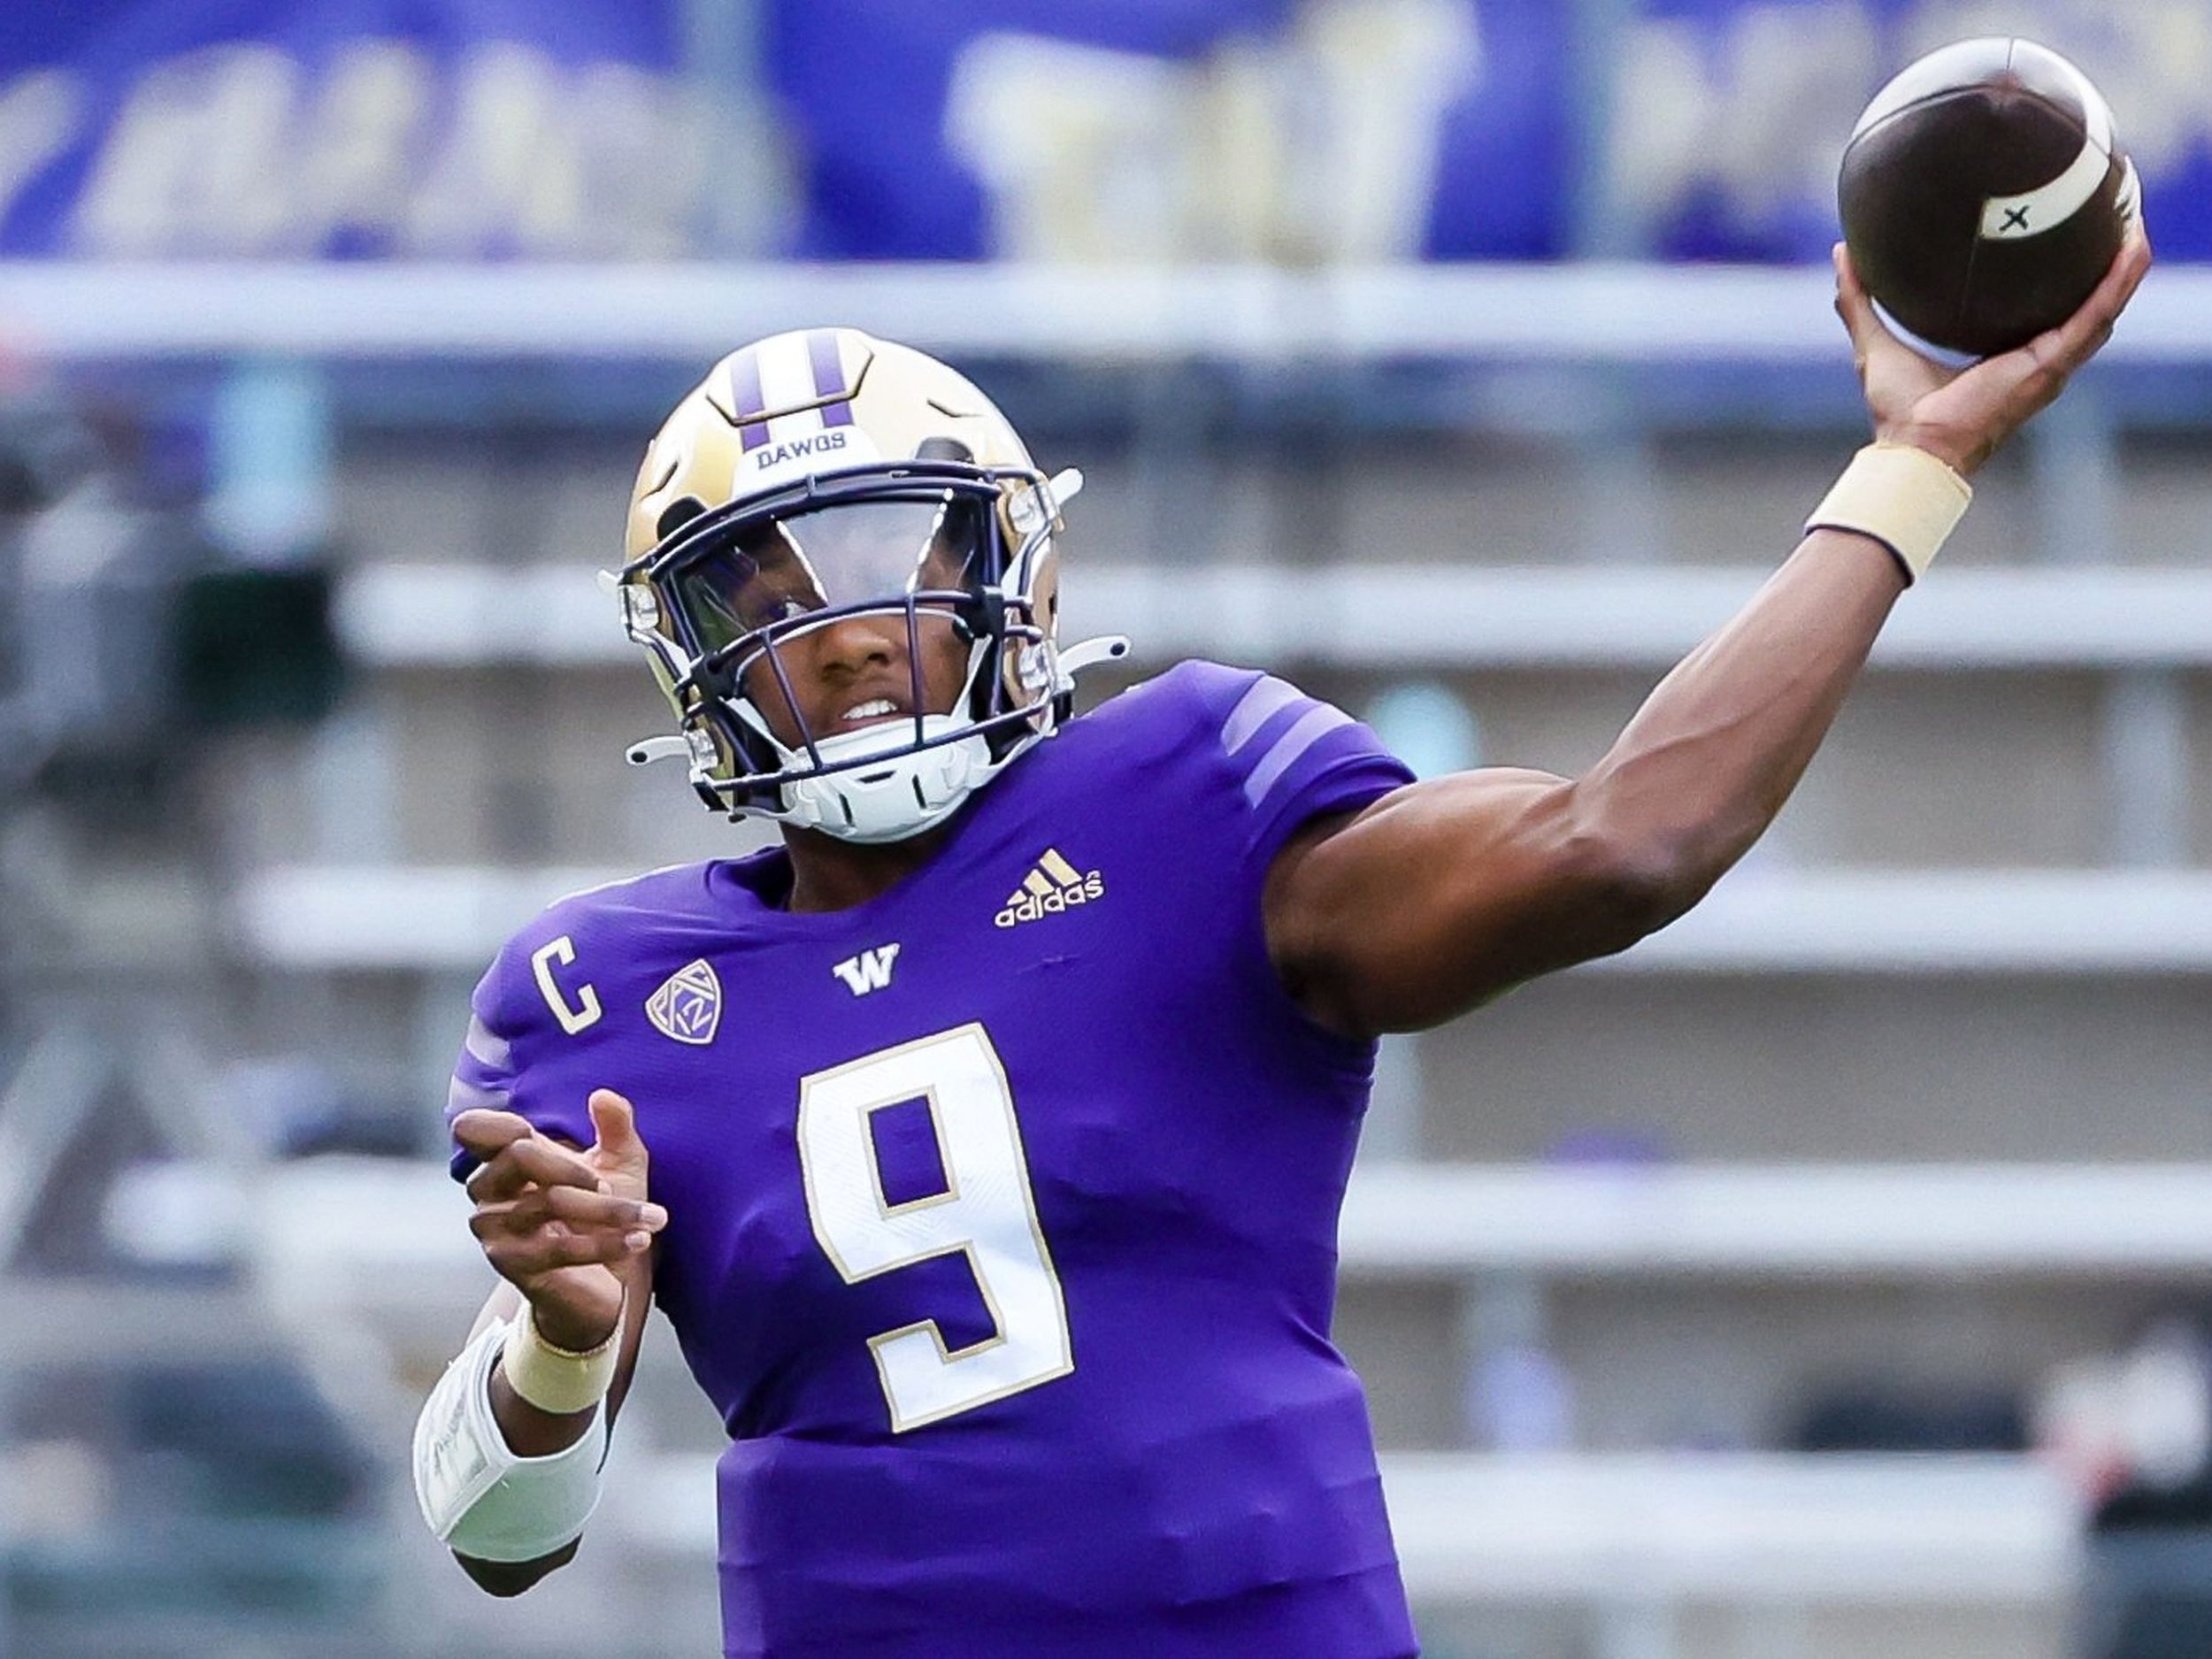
(983, 1143)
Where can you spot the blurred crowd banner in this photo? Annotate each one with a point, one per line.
(1086, 131)
(346, 129)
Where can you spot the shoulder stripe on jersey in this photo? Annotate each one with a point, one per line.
(1309, 729)
(485, 1047)
(466, 1096)
(1268, 697)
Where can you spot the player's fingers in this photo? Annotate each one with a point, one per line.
(563, 1211)
(495, 1180)
(1856, 306)
(2125, 277)
(517, 1217)
(510, 1219)
(523, 1161)
(1848, 287)
(522, 1248)
(615, 1120)
(601, 1209)
(487, 1132)
(2082, 334)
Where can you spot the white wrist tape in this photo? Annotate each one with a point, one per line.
(556, 1379)
(478, 1497)
(1903, 497)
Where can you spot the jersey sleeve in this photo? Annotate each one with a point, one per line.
(506, 1061)
(1284, 759)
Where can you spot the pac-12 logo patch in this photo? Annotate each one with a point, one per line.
(688, 1005)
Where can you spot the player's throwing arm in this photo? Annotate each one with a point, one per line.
(1447, 893)
(508, 1446)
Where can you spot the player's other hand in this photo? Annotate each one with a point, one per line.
(1961, 416)
(560, 1224)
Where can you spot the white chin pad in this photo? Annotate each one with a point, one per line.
(902, 795)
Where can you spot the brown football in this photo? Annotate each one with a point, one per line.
(1984, 195)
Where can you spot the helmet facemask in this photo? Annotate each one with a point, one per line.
(932, 547)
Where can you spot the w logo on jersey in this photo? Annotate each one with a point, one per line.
(688, 1005)
(870, 971)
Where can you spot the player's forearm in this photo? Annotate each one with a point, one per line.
(530, 1432)
(1715, 750)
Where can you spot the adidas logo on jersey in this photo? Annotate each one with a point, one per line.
(1053, 886)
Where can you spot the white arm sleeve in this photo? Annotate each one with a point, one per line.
(478, 1497)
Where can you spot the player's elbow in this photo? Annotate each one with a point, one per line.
(1640, 864)
(1631, 886)
(505, 1578)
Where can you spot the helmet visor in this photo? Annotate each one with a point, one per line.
(837, 560)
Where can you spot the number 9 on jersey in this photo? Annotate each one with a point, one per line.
(987, 1211)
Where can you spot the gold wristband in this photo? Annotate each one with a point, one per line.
(1903, 497)
(556, 1379)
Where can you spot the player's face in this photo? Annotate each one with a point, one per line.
(854, 670)
(858, 671)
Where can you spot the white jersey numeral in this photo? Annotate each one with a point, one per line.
(987, 1211)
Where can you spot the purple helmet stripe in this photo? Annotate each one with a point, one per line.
(746, 393)
(829, 376)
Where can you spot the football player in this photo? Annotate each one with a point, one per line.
(998, 1118)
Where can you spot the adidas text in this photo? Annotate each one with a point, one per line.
(1052, 887)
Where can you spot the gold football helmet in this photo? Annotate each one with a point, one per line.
(823, 474)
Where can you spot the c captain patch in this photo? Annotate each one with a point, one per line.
(688, 1005)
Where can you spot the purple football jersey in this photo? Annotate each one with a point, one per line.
(1002, 1207)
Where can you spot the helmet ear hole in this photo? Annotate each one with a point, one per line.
(676, 514)
(944, 449)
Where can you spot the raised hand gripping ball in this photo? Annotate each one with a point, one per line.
(1984, 195)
